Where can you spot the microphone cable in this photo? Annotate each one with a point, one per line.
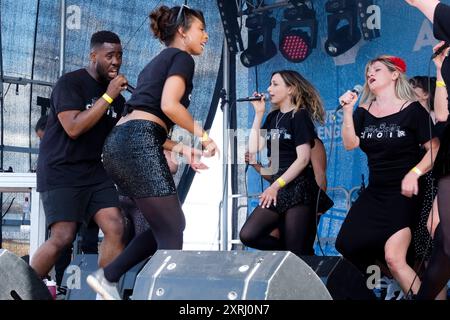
(140, 27)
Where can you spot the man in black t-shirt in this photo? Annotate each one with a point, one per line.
(84, 106)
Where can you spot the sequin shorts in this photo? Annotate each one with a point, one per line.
(133, 157)
(303, 190)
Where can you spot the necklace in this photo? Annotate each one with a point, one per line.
(277, 120)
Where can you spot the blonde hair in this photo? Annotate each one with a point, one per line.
(403, 89)
(304, 95)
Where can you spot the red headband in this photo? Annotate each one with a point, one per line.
(399, 63)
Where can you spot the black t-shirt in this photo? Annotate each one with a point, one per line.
(64, 162)
(148, 93)
(392, 143)
(292, 131)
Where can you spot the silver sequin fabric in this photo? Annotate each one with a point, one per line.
(302, 190)
(133, 157)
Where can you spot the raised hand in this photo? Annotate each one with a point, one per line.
(259, 105)
(348, 100)
(117, 85)
(440, 58)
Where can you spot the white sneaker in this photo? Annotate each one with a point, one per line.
(108, 290)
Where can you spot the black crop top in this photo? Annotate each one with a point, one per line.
(151, 80)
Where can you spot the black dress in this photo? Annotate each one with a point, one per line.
(392, 144)
(428, 186)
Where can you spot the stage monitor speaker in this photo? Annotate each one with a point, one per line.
(84, 264)
(343, 280)
(126, 283)
(228, 275)
(18, 281)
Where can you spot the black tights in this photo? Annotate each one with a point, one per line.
(167, 223)
(298, 230)
(438, 271)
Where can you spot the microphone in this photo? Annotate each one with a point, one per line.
(254, 98)
(440, 49)
(356, 89)
(130, 88)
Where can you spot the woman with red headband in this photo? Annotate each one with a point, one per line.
(438, 271)
(389, 127)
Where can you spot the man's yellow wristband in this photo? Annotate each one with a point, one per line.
(107, 98)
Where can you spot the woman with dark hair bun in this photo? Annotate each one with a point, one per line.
(133, 153)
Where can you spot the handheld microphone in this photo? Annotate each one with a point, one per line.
(356, 89)
(254, 98)
(440, 49)
(130, 88)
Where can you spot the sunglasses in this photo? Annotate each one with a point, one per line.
(181, 14)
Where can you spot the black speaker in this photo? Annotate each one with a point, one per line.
(127, 282)
(84, 264)
(228, 275)
(18, 281)
(343, 280)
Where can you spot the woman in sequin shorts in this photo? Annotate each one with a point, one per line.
(133, 153)
(293, 192)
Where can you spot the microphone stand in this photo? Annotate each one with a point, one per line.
(225, 106)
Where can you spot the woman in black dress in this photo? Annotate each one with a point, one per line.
(437, 273)
(390, 127)
(292, 195)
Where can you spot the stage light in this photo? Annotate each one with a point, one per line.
(260, 44)
(295, 46)
(343, 31)
(298, 31)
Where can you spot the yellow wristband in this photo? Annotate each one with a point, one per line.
(417, 171)
(205, 137)
(107, 98)
(440, 84)
(281, 182)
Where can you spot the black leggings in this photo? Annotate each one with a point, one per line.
(167, 224)
(437, 273)
(298, 230)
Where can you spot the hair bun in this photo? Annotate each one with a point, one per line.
(159, 20)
